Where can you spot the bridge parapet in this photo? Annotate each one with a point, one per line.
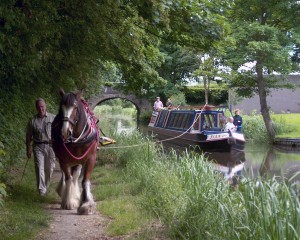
(142, 104)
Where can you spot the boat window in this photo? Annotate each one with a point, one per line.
(180, 120)
(189, 121)
(161, 119)
(208, 121)
(184, 121)
(171, 120)
(197, 122)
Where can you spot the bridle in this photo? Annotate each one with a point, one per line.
(69, 120)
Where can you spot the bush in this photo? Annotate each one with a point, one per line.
(178, 99)
(254, 129)
(145, 117)
(98, 110)
(117, 109)
(2, 185)
(196, 95)
(129, 112)
(281, 126)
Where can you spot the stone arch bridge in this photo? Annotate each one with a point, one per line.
(141, 104)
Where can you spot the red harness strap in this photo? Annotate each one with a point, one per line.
(92, 117)
(84, 154)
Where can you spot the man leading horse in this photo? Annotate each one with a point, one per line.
(39, 131)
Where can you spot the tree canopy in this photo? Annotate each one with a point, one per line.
(77, 44)
(147, 45)
(265, 33)
(65, 42)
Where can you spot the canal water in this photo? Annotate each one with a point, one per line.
(256, 159)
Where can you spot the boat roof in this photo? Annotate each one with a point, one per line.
(202, 108)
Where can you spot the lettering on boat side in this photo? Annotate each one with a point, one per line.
(217, 136)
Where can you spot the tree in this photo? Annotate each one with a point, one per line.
(45, 45)
(65, 42)
(265, 32)
(209, 69)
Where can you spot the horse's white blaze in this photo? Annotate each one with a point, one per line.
(66, 115)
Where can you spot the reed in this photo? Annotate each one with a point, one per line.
(196, 202)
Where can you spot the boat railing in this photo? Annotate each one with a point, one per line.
(193, 107)
(201, 107)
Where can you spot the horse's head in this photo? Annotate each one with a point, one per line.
(70, 109)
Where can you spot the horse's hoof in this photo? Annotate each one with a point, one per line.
(70, 205)
(87, 208)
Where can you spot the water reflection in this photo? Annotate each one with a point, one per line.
(118, 124)
(229, 163)
(279, 162)
(272, 160)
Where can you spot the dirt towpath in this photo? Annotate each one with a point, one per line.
(68, 225)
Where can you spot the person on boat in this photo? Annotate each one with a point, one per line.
(230, 126)
(238, 120)
(158, 104)
(169, 104)
(38, 131)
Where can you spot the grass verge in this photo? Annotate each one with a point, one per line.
(291, 121)
(23, 214)
(119, 197)
(193, 201)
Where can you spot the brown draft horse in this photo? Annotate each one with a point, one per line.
(75, 140)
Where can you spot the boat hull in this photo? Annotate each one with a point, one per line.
(207, 141)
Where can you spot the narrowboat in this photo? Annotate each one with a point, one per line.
(203, 127)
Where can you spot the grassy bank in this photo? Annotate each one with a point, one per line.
(291, 122)
(22, 215)
(286, 126)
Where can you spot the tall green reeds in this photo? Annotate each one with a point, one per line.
(196, 202)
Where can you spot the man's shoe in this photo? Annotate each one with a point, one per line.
(43, 193)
